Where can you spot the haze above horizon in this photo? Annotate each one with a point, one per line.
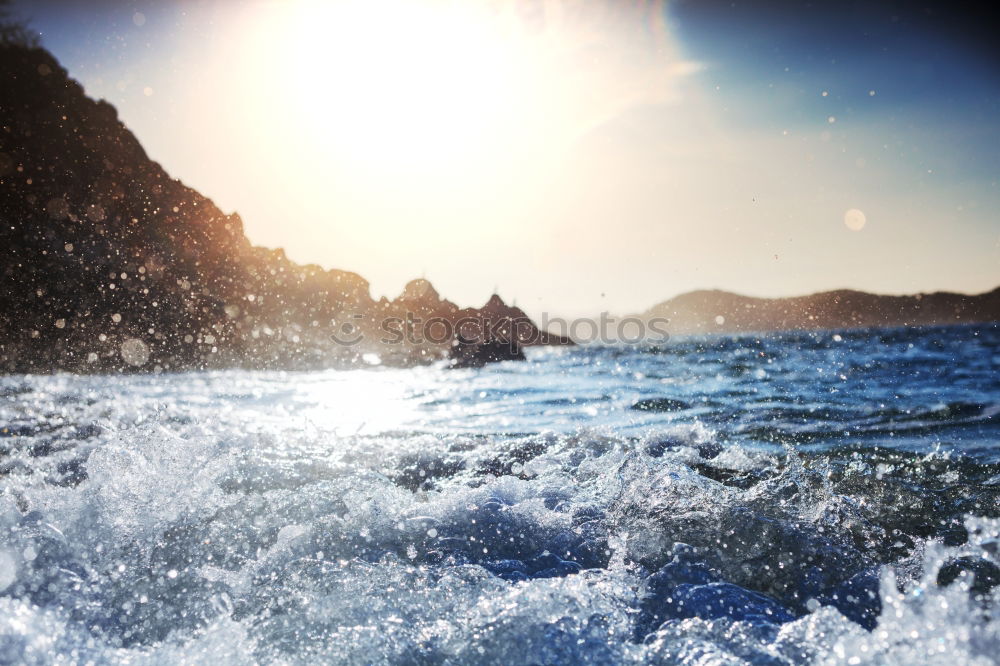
(578, 156)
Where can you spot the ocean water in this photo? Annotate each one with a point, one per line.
(801, 498)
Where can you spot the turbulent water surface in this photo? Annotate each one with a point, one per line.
(800, 498)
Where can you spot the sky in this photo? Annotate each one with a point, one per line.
(576, 156)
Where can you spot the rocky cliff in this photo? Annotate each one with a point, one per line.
(109, 263)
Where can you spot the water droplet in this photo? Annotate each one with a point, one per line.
(134, 352)
(855, 219)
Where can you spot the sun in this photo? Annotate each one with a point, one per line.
(403, 84)
(466, 94)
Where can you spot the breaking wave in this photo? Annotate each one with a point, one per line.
(411, 517)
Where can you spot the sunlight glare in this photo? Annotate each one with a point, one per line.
(402, 82)
(439, 123)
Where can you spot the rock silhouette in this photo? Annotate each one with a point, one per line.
(109, 263)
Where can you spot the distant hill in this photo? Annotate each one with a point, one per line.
(717, 311)
(110, 263)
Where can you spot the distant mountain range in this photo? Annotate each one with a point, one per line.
(110, 263)
(714, 311)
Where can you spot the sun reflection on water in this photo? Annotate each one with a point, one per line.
(363, 402)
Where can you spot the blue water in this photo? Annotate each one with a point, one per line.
(827, 498)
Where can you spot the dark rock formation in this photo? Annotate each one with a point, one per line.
(725, 312)
(111, 264)
(469, 354)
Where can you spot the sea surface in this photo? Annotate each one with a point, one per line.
(799, 498)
